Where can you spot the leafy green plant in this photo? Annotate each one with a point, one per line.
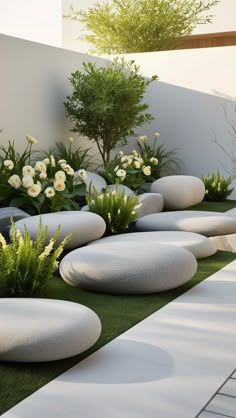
(47, 186)
(27, 265)
(217, 187)
(130, 170)
(117, 209)
(77, 158)
(168, 162)
(127, 26)
(107, 103)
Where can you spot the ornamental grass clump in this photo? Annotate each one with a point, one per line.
(217, 187)
(27, 265)
(117, 209)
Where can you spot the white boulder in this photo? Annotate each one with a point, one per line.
(122, 189)
(179, 191)
(197, 244)
(85, 226)
(94, 180)
(151, 203)
(128, 268)
(200, 222)
(35, 330)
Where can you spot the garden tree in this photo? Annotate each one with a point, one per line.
(107, 104)
(127, 26)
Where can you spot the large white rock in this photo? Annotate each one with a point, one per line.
(179, 192)
(122, 189)
(201, 222)
(35, 330)
(151, 203)
(94, 180)
(128, 268)
(85, 226)
(197, 244)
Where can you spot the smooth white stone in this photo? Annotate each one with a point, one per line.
(197, 244)
(93, 180)
(151, 203)
(179, 192)
(201, 222)
(122, 268)
(122, 189)
(85, 226)
(35, 330)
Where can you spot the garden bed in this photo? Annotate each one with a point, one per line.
(117, 314)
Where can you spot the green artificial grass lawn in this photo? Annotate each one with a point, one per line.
(117, 314)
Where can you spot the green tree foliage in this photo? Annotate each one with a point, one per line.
(107, 103)
(126, 26)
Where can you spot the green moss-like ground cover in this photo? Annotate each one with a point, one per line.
(117, 313)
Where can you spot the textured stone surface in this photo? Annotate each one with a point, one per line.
(125, 268)
(151, 203)
(225, 242)
(201, 222)
(179, 192)
(94, 180)
(197, 244)
(7, 213)
(85, 226)
(37, 330)
(121, 188)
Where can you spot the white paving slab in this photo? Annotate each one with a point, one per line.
(229, 388)
(167, 366)
(206, 414)
(224, 405)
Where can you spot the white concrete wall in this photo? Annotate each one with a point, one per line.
(33, 86)
(35, 20)
(188, 101)
(223, 20)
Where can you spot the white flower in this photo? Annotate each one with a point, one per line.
(9, 164)
(49, 192)
(52, 161)
(137, 164)
(121, 173)
(116, 168)
(82, 174)
(206, 192)
(15, 181)
(62, 162)
(143, 138)
(27, 181)
(43, 175)
(124, 158)
(157, 135)
(147, 170)
(71, 140)
(59, 185)
(139, 159)
(125, 165)
(34, 190)
(28, 171)
(31, 140)
(40, 166)
(154, 160)
(120, 154)
(60, 175)
(46, 161)
(134, 153)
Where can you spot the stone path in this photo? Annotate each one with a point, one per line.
(170, 365)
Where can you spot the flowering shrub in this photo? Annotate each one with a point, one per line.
(77, 158)
(44, 186)
(130, 170)
(27, 265)
(117, 210)
(217, 187)
(167, 161)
